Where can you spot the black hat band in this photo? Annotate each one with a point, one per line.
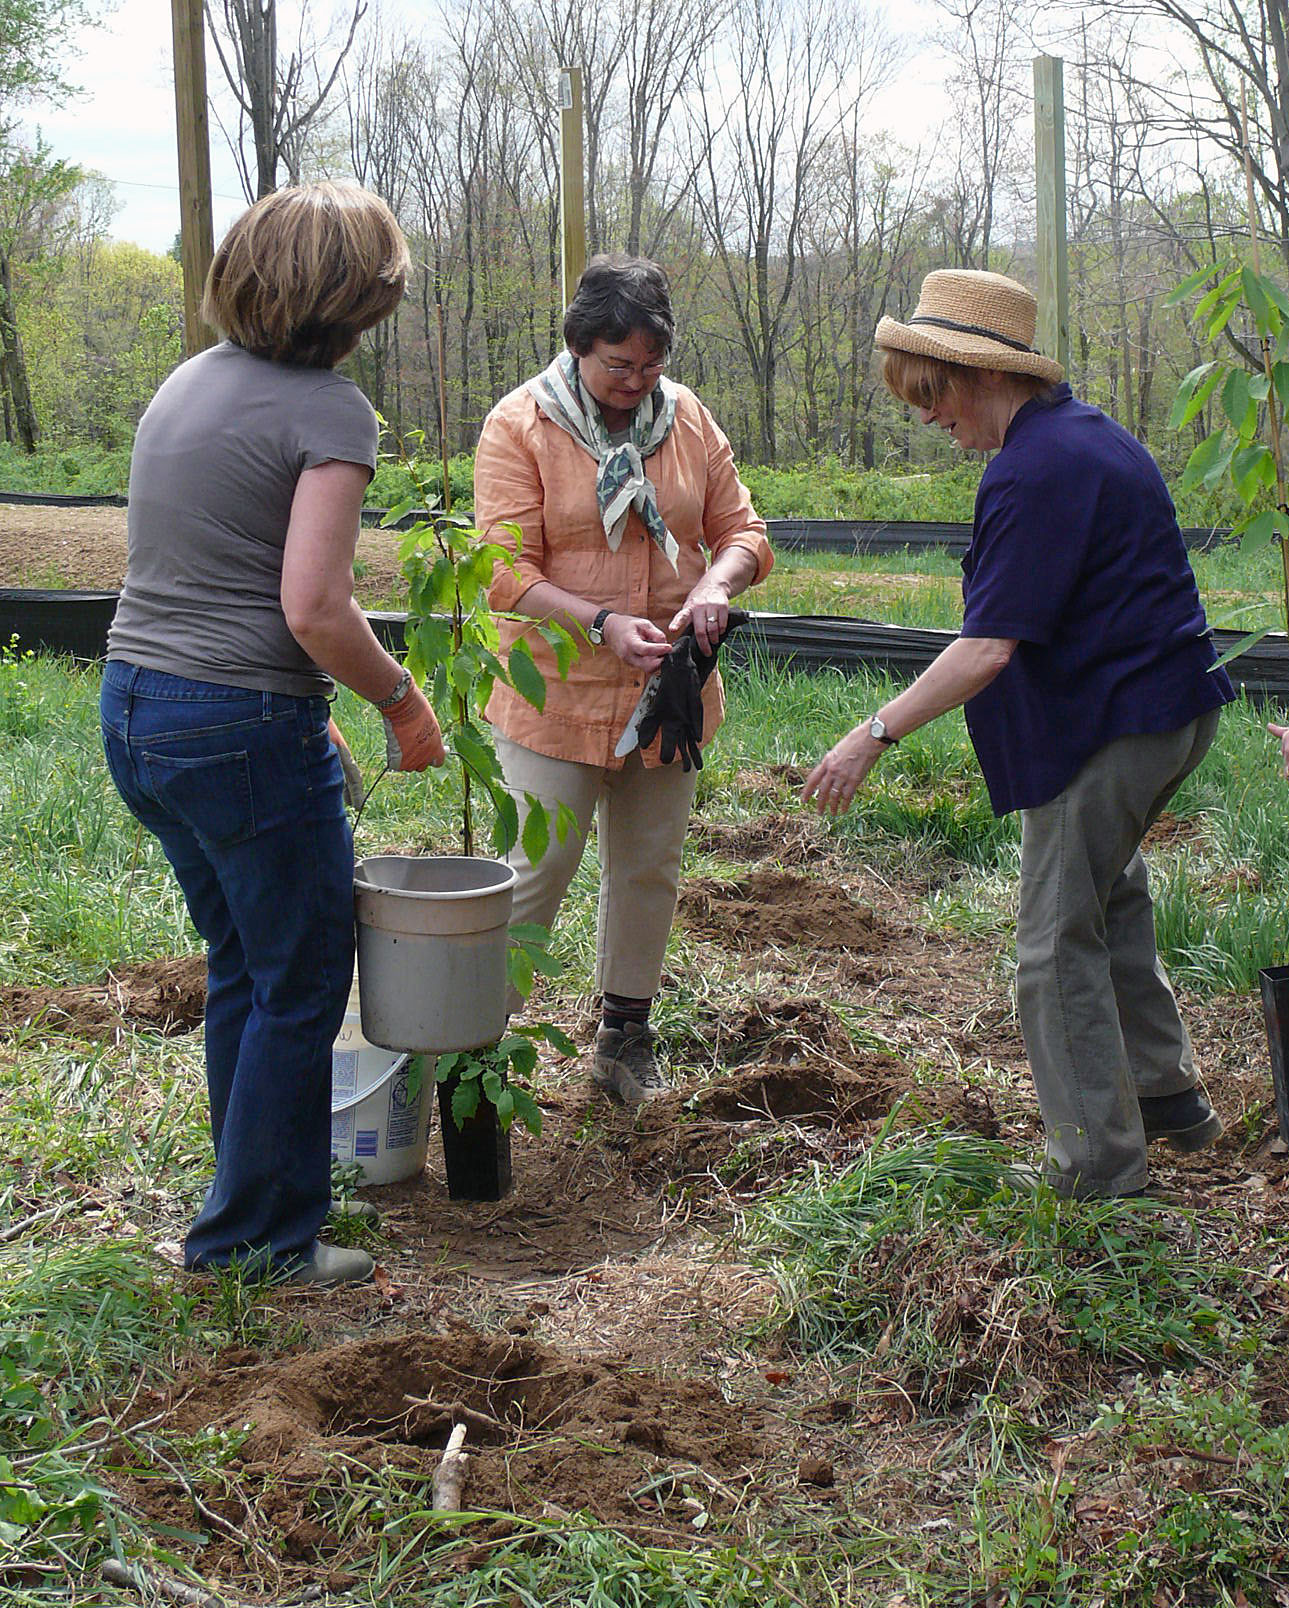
(974, 329)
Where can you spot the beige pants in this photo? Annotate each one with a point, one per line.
(643, 815)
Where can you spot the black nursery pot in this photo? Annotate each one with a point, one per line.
(1275, 1010)
(476, 1156)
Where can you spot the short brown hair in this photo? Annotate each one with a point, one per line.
(302, 273)
(924, 382)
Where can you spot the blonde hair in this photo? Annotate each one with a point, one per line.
(924, 382)
(302, 273)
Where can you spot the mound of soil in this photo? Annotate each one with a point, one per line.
(162, 996)
(548, 1433)
(772, 908)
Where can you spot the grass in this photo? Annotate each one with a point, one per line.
(1028, 1376)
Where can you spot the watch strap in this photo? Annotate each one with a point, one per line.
(596, 633)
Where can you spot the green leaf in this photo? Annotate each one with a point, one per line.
(564, 646)
(549, 965)
(519, 970)
(523, 1058)
(415, 1076)
(537, 833)
(1236, 399)
(1259, 385)
(1221, 318)
(557, 1038)
(528, 1111)
(529, 932)
(1280, 376)
(1265, 314)
(465, 1101)
(1237, 648)
(505, 1104)
(394, 514)
(1262, 530)
(525, 677)
(1189, 285)
(444, 1067)
(1193, 393)
(1219, 292)
(1252, 468)
(481, 761)
(566, 821)
(1275, 294)
(505, 831)
(434, 640)
(1203, 458)
(492, 1084)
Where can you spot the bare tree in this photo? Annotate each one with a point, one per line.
(796, 69)
(981, 40)
(277, 97)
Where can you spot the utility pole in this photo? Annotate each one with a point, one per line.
(572, 183)
(1053, 333)
(196, 229)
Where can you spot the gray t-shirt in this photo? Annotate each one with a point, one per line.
(216, 460)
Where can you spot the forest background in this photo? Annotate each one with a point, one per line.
(733, 140)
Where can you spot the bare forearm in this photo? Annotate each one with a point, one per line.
(966, 667)
(546, 601)
(340, 641)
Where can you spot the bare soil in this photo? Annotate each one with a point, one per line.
(84, 549)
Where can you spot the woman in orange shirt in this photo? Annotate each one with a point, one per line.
(634, 525)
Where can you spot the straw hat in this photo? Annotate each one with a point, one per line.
(966, 316)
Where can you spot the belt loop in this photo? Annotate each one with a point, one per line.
(267, 706)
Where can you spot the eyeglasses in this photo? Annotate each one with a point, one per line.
(621, 371)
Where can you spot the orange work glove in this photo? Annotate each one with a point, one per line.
(412, 736)
(355, 791)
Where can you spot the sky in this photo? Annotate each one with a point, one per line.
(123, 124)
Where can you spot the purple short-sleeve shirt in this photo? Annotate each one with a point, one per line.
(1077, 555)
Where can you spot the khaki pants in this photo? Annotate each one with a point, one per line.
(1097, 1010)
(643, 817)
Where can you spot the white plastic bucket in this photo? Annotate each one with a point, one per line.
(375, 1123)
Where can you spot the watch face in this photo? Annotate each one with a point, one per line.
(595, 634)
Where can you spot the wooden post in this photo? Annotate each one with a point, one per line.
(1053, 333)
(572, 183)
(196, 229)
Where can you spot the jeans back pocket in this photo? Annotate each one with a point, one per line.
(211, 794)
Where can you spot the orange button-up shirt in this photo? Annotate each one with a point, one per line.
(530, 472)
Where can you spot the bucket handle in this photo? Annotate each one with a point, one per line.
(381, 1081)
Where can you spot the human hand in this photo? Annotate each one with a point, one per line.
(707, 609)
(838, 776)
(355, 789)
(637, 642)
(1282, 732)
(412, 736)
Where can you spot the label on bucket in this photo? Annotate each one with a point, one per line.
(344, 1075)
(400, 1128)
(342, 1136)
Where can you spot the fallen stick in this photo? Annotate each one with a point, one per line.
(15, 1229)
(144, 1580)
(450, 1476)
(147, 1580)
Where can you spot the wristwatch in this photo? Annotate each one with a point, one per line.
(878, 732)
(595, 631)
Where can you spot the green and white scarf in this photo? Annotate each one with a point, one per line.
(620, 481)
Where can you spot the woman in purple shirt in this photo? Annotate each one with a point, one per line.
(1086, 669)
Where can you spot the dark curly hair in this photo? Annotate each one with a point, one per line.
(616, 297)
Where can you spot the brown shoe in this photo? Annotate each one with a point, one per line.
(626, 1066)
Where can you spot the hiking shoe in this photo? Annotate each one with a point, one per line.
(1185, 1120)
(350, 1206)
(626, 1066)
(332, 1264)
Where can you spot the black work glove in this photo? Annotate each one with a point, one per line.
(676, 714)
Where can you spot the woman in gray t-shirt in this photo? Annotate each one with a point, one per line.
(236, 619)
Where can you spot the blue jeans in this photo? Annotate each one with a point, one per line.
(245, 792)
